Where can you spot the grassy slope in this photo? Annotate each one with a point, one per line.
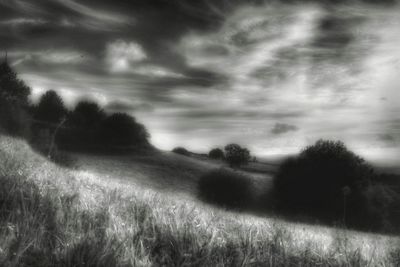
(53, 216)
(167, 171)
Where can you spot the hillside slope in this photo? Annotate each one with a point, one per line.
(51, 216)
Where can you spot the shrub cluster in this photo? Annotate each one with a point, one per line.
(87, 126)
(330, 182)
(226, 188)
(14, 119)
(236, 155)
(181, 151)
(216, 153)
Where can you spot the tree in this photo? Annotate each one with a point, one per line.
(83, 129)
(236, 156)
(216, 153)
(322, 179)
(87, 115)
(12, 89)
(120, 129)
(14, 120)
(51, 108)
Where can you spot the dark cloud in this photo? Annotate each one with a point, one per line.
(387, 138)
(282, 128)
(223, 64)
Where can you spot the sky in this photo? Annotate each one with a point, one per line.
(273, 76)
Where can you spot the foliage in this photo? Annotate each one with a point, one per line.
(181, 151)
(121, 129)
(236, 156)
(86, 115)
(331, 182)
(12, 89)
(14, 119)
(51, 108)
(83, 126)
(216, 153)
(226, 188)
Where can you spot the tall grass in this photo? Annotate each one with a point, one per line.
(50, 216)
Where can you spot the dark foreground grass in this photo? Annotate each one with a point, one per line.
(51, 216)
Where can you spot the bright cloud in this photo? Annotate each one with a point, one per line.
(121, 55)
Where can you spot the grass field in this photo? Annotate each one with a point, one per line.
(140, 211)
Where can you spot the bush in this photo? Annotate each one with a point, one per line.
(12, 89)
(216, 153)
(51, 108)
(322, 179)
(236, 156)
(380, 210)
(181, 151)
(226, 188)
(14, 93)
(14, 120)
(83, 127)
(121, 130)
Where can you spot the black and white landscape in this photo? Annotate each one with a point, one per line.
(199, 133)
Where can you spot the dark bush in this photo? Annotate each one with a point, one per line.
(14, 119)
(236, 156)
(83, 127)
(51, 108)
(12, 89)
(226, 188)
(181, 151)
(380, 209)
(86, 115)
(122, 130)
(322, 180)
(216, 153)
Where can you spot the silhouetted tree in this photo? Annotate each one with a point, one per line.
(83, 129)
(14, 120)
(120, 129)
(322, 179)
(12, 89)
(236, 156)
(50, 108)
(86, 115)
(216, 153)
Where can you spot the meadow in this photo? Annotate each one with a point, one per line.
(87, 216)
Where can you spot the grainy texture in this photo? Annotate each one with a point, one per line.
(78, 218)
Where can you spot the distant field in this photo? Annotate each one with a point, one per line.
(167, 171)
(110, 212)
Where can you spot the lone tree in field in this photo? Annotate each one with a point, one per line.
(51, 108)
(322, 179)
(216, 153)
(121, 129)
(236, 156)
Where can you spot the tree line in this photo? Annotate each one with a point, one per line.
(86, 126)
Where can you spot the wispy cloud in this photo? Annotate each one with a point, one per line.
(96, 17)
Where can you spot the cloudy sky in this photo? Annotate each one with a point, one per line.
(268, 75)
